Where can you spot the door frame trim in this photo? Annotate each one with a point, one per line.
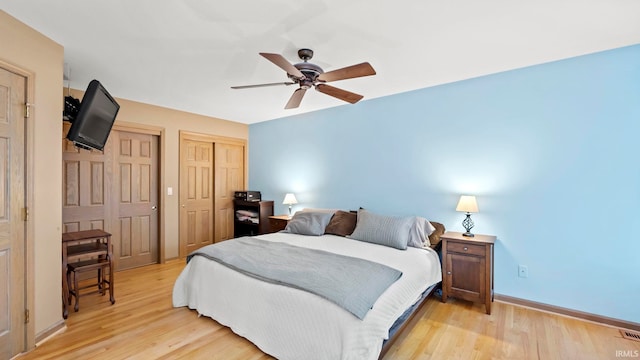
(190, 135)
(29, 246)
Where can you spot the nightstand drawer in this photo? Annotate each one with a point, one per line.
(465, 248)
(278, 222)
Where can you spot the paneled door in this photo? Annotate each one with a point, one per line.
(135, 225)
(229, 177)
(115, 190)
(196, 195)
(12, 206)
(86, 187)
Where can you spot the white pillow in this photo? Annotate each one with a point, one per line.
(419, 233)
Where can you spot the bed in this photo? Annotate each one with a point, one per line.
(289, 323)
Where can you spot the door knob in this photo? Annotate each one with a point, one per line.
(154, 207)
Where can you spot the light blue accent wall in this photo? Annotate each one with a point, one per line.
(550, 151)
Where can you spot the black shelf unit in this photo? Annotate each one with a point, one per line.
(263, 210)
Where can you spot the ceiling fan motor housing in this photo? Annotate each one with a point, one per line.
(310, 72)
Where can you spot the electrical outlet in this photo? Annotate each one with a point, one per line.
(523, 271)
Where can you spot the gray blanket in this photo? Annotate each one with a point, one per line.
(352, 283)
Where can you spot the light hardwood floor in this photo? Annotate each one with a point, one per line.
(142, 324)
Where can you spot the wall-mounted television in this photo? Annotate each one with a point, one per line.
(91, 126)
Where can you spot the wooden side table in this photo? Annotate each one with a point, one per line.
(279, 222)
(467, 267)
(85, 244)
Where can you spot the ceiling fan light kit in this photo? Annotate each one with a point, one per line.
(308, 75)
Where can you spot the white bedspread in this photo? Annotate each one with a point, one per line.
(292, 324)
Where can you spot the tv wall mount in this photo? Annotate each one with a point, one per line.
(71, 108)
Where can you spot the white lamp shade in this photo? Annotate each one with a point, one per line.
(290, 199)
(467, 203)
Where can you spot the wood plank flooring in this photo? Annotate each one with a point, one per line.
(142, 324)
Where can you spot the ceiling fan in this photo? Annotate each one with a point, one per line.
(308, 75)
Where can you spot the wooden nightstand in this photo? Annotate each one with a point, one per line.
(467, 267)
(279, 222)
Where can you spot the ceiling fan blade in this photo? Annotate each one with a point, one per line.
(349, 72)
(295, 99)
(339, 93)
(283, 64)
(262, 85)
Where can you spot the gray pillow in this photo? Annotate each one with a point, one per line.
(383, 230)
(308, 223)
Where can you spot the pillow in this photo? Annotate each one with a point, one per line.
(419, 233)
(342, 223)
(382, 230)
(332, 211)
(308, 223)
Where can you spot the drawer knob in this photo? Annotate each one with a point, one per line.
(466, 248)
(448, 272)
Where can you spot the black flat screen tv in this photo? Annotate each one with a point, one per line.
(91, 127)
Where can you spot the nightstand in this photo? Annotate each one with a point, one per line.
(278, 222)
(467, 267)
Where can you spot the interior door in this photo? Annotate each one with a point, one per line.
(135, 223)
(87, 182)
(229, 177)
(115, 190)
(196, 195)
(12, 205)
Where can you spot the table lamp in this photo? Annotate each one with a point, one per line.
(469, 205)
(290, 199)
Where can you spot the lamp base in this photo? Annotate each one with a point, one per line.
(467, 224)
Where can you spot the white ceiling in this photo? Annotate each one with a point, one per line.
(186, 54)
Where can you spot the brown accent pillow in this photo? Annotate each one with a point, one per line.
(434, 238)
(342, 223)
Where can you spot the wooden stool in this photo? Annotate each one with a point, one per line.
(102, 265)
